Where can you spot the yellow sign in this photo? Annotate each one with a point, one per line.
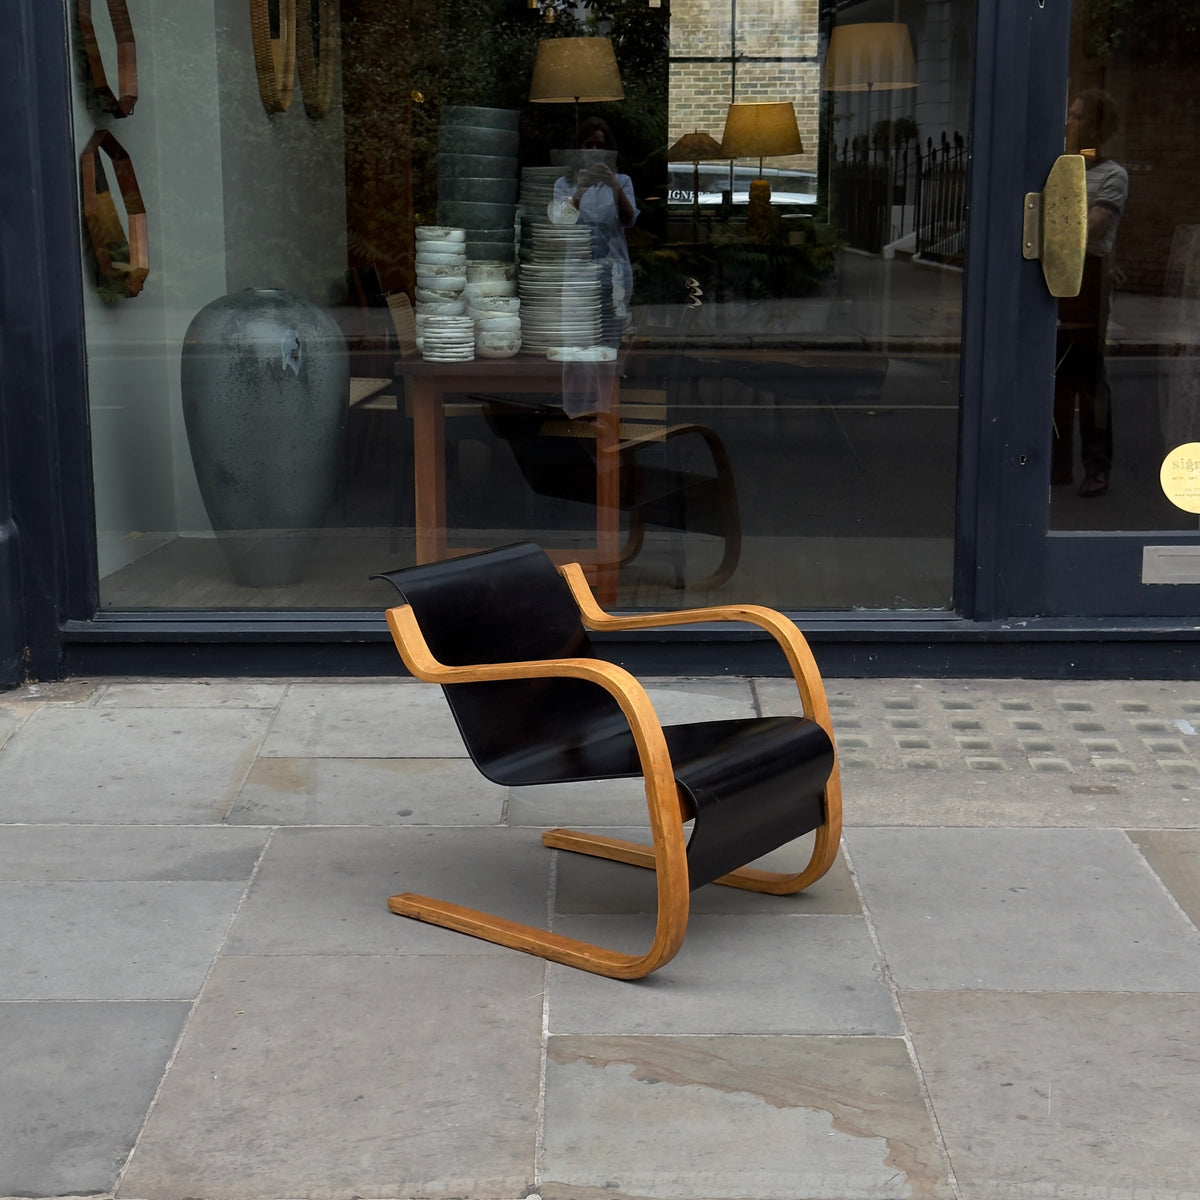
(1180, 477)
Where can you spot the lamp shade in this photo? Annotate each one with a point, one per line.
(760, 130)
(694, 147)
(874, 56)
(582, 69)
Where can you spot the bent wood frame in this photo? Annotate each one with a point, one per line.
(667, 854)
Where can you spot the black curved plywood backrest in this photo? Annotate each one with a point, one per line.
(509, 605)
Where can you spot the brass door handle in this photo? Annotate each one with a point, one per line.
(1055, 225)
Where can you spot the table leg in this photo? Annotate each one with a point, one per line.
(608, 490)
(429, 469)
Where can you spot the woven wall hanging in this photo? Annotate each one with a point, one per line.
(318, 43)
(273, 28)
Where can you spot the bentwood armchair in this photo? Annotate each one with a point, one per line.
(557, 456)
(506, 635)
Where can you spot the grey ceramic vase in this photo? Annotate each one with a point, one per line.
(266, 382)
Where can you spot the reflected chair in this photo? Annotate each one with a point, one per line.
(557, 457)
(506, 635)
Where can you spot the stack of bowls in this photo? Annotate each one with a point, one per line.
(441, 278)
(477, 177)
(493, 304)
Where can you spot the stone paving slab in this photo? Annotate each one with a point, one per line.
(401, 719)
(10, 722)
(86, 766)
(1174, 856)
(1013, 752)
(371, 791)
(1063, 1095)
(192, 693)
(770, 1118)
(331, 1078)
(53, 853)
(680, 700)
(748, 975)
(325, 891)
(85, 940)
(601, 802)
(76, 1085)
(73, 692)
(1037, 909)
(986, 835)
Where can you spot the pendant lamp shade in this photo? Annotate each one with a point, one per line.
(582, 70)
(873, 56)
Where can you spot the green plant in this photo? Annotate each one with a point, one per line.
(1159, 30)
(794, 263)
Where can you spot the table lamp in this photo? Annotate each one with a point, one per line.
(758, 129)
(695, 148)
(579, 69)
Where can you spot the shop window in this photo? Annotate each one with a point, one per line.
(798, 312)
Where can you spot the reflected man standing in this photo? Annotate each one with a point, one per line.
(1080, 375)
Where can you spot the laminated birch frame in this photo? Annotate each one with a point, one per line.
(274, 51)
(121, 104)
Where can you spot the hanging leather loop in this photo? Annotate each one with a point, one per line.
(121, 104)
(122, 256)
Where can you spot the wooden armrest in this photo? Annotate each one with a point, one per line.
(628, 692)
(793, 643)
(658, 436)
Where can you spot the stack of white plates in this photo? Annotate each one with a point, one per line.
(561, 304)
(561, 243)
(448, 339)
(441, 275)
(494, 306)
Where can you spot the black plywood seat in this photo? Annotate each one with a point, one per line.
(506, 635)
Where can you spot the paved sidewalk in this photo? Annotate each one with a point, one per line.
(996, 992)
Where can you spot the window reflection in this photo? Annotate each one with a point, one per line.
(1128, 377)
(728, 374)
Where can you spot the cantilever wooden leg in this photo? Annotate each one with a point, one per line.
(778, 883)
(545, 944)
(668, 860)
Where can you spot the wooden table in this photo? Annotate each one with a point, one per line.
(429, 385)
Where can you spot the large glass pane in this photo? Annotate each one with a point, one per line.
(727, 238)
(1128, 375)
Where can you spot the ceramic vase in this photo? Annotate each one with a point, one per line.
(265, 381)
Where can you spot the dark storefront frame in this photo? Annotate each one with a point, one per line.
(49, 625)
